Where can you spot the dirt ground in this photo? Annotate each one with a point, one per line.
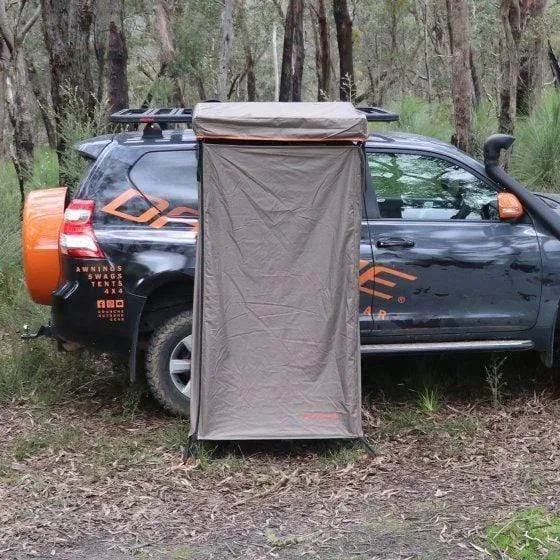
(88, 479)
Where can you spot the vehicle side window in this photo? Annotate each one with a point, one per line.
(167, 175)
(149, 189)
(419, 187)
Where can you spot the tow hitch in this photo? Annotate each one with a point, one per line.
(44, 330)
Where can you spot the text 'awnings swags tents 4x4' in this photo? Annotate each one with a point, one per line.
(276, 351)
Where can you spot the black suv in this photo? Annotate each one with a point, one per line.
(455, 256)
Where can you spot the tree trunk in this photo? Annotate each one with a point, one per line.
(100, 33)
(117, 56)
(17, 103)
(16, 88)
(322, 50)
(285, 93)
(249, 59)
(510, 17)
(424, 7)
(532, 54)
(67, 30)
(43, 103)
(225, 48)
(168, 53)
(475, 80)
(317, 55)
(298, 50)
(343, 22)
(275, 62)
(554, 65)
(461, 73)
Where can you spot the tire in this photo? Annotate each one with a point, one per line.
(168, 364)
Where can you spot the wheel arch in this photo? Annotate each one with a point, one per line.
(165, 295)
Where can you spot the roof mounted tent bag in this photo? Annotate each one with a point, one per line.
(276, 350)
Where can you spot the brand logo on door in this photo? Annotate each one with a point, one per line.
(158, 216)
(373, 276)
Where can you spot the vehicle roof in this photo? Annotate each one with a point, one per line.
(380, 140)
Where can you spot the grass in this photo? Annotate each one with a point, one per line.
(429, 399)
(31, 445)
(344, 453)
(530, 534)
(535, 158)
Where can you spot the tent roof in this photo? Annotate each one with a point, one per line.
(308, 122)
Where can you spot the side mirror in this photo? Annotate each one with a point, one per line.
(509, 206)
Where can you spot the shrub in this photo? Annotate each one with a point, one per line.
(536, 154)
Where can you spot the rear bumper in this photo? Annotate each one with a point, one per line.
(107, 324)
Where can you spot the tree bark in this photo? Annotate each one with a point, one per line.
(43, 103)
(67, 30)
(285, 93)
(167, 55)
(532, 53)
(117, 56)
(461, 73)
(19, 113)
(249, 58)
(100, 33)
(475, 80)
(424, 8)
(322, 50)
(225, 48)
(510, 18)
(16, 88)
(554, 65)
(343, 22)
(298, 51)
(275, 63)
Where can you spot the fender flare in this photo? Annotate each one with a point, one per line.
(147, 289)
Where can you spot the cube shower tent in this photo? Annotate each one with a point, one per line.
(276, 348)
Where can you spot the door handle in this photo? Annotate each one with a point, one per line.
(395, 242)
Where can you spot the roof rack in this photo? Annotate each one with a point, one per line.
(156, 115)
(377, 114)
(182, 115)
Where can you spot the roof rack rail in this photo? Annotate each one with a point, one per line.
(168, 115)
(155, 115)
(377, 114)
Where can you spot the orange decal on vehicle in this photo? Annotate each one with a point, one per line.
(112, 208)
(160, 206)
(370, 274)
(178, 212)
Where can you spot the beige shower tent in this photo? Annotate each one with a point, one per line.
(276, 351)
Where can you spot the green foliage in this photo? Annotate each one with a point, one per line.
(530, 534)
(429, 399)
(417, 116)
(536, 154)
(485, 123)
(79, 124)
(342, 454)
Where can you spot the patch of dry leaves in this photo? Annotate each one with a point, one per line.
(116, 490)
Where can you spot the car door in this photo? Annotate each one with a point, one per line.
(444, 262)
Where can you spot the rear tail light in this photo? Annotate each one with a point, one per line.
(76, 236)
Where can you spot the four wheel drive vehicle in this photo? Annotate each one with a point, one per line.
(454, 256)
